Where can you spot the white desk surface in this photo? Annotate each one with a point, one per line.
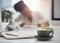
(55, 39)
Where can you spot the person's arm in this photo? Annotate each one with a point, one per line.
(22, 24)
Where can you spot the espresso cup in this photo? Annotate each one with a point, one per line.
(45, 33)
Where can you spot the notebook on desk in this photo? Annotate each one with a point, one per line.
(18, 34)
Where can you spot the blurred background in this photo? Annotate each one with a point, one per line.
(42, 6)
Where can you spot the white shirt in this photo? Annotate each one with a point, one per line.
(36, 17)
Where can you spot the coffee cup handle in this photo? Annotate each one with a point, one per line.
(51, 34)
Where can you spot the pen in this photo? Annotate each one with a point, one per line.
(11, 34)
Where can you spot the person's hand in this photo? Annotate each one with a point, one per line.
(39, 25)
(22, 24)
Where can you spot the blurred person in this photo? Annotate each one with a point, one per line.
(27, 17)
